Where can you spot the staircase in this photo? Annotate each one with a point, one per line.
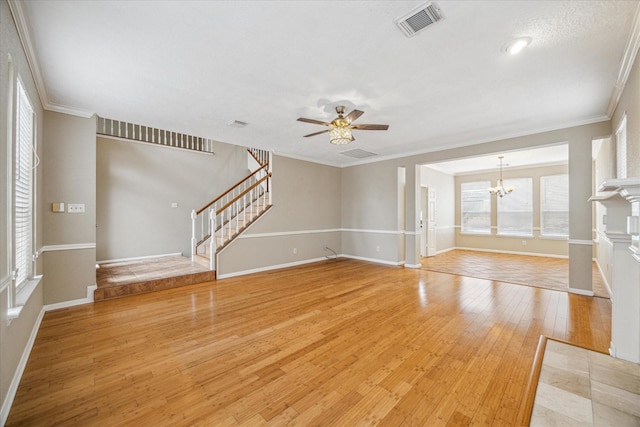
(220, 221)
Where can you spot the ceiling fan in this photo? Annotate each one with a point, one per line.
(340, 128)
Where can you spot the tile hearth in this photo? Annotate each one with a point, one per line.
(119, 279)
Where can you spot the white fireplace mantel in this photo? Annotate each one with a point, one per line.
(621, 197)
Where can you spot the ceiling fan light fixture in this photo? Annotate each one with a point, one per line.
(340, 135)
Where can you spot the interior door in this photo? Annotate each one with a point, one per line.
(423, 221)
(431, 221)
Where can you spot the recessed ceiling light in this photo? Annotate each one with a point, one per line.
(515, 46)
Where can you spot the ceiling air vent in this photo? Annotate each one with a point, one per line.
(358, 153)
(419, 18)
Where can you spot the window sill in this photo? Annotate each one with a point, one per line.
(516, 236)
(471, 233)
(22, 297)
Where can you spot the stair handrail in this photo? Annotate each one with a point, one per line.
(231, 189)
(239, 196)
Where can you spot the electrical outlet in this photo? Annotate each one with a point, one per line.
(377, 248)
(524, 243)
(295, 250)
(75, 208)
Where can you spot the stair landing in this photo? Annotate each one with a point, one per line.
(124, 278)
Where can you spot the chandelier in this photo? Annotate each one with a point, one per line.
(499, 189)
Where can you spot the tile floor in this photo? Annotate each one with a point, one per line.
(579, 387)
(542, 272)
(118, 279)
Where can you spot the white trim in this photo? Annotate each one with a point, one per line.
(90, 290)
(268, 268)
(4, 283)
(629, 57)
(65, 304)
(17, 376)
(413, 265)
(287, 233)
(580, 242)
(138, 258)
(361, 230)
(444, 251)
(32, 59)
(580, 292)
(377, 261)
(604, 278)
(69, 247)
(411, 233)
(512, 252)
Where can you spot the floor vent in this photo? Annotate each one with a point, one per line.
(358, 153)
(419, 19)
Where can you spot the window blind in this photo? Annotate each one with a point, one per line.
(515, 211)
(554, 205)
(476, 207)
(23, 215)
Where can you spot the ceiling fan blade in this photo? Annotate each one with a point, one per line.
(315, 122)
(317, 133)
(371, 127)
(353, 115)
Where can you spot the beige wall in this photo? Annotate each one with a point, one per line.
(630, 103)
(536, 244)
(137, 184)
(14, 335)
(305, 216)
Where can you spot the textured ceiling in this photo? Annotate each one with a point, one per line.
(193, 67)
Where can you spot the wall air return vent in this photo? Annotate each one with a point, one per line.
(358, 153)
(419, 19)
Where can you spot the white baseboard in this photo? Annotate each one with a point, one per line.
(443, 251)
(268, 268)
(17, 376)
(377, 261)
(137, 258)
(580, 292)
(412, 265)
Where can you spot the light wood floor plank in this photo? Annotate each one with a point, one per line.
(331, 343)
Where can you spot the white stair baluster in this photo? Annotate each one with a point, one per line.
(193, 235)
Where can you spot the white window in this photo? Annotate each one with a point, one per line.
(23, 188)
(554, 206)
(621, 149)
(515, 210)
(476, 207)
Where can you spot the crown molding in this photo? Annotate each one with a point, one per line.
(629, 57)
(24, 33)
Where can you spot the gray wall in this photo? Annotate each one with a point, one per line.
(136, 185)
(14, 335)
(536, 244)
(446, 197)
(70, 176)
(305, 216)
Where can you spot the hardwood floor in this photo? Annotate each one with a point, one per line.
(333, 343)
